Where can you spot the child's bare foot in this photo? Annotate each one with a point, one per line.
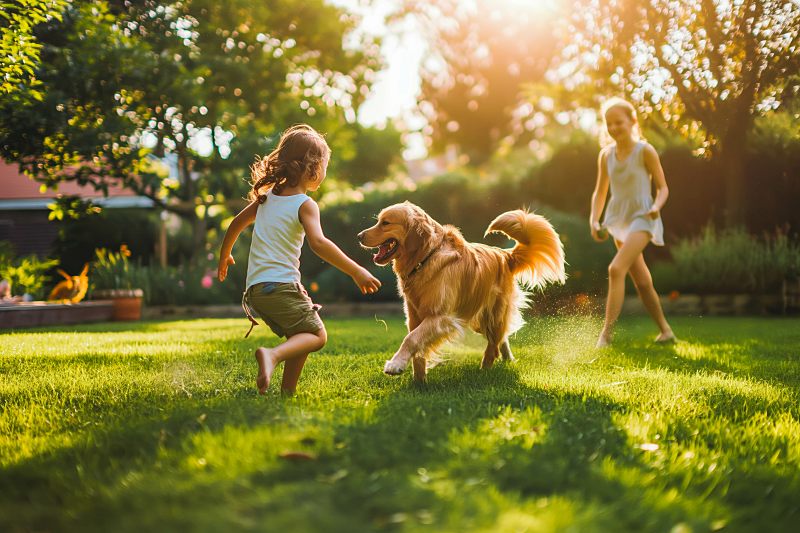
(265, 368)
(603, 340)
(666, 337)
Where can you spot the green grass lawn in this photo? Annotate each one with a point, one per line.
(157, 426)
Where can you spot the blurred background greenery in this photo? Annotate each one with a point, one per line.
(173, 100)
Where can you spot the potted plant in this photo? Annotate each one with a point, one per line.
(114, 279)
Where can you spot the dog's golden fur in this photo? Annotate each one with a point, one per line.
(448, 283)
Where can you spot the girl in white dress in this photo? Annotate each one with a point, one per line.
(628, 165)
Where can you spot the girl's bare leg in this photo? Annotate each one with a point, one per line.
(617, 271)
(299, 345)
(647, 293)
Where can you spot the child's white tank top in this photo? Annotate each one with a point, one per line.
(277, 240)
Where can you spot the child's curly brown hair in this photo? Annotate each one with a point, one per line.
(302, 151)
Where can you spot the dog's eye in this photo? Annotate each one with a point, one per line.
(384, 223)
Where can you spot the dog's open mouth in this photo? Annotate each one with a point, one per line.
(385, 252)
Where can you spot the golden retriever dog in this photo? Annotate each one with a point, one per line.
(448, 283)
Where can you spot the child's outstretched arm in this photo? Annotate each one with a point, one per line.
(653, 164)
(599, 196)
(245, 217)
(328, 251)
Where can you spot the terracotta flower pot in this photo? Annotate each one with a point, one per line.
(127, 304)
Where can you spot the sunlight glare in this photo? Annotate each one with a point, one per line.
(532, 7)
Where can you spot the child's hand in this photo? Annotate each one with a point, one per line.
(598, 233)
(652, 213)
(222, 269)
(366, 281)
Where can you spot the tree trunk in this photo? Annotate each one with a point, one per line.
(196, 222)
(732, 162)
(732, 166)
(199, 230)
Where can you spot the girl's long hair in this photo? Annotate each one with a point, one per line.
(301, 152)
(629, 110)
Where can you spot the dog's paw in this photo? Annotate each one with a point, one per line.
(393, 367)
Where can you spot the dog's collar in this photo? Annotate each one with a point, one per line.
(425, 259)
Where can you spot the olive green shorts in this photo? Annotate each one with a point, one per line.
(285, 307)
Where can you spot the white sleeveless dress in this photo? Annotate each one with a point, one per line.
(631, 197)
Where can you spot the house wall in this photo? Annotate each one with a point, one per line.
(28, 231)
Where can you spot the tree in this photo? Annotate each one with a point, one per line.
(484, 53)
(705, 66)
(212, 84)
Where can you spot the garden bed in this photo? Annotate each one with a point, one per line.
(33, 314)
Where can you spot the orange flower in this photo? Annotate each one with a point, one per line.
(124, 250)
(674, 295)
(314, 286)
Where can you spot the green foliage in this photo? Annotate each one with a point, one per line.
(191, 285)
(112, 270)
(729, 261)
(27, 275)
(566, 179)
(233, 74)
(186, 284)
(138, 228)
(19, 49)
(772, 167)
(366, 155)
(157, 426)
(71, 207)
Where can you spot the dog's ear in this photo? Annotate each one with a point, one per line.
(414, 240)
(418, 221)
(421, 228)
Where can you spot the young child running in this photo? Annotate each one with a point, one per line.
(627, 163)
(283, 214)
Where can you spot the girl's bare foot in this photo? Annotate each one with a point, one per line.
(666, 337)
(603, 340)
(265, 368)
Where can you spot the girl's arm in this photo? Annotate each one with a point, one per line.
(245, 217)
(599, 196)
(653, 165)
(328, 251)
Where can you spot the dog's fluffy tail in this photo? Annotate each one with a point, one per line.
(538, 257)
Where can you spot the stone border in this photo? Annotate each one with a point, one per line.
(712, 304)
(35, 314)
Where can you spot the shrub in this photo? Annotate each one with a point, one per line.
(729, 261)
(27, 275)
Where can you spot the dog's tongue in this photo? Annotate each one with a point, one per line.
(382, 250)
